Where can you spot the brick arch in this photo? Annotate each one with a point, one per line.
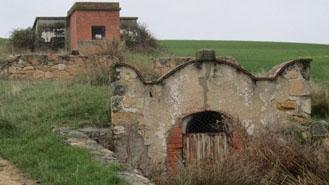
(236, 133)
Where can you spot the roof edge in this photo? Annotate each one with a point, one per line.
(47, 18)
(128, 18)
(218, 61)
(94, 6)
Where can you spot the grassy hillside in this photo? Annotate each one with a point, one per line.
(28, 113)
(259, 56)
(30, 110)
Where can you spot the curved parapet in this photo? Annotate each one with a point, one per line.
(151, 110)
(273, 74)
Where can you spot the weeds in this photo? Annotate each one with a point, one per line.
(320, 101)
(269, 159)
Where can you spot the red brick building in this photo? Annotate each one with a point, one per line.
(85, 21)
(93, 21)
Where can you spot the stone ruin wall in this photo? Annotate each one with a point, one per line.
(70, 67)
(54, 67)
(147, 116)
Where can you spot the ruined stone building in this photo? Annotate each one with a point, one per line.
(203, 108)
(85, 22)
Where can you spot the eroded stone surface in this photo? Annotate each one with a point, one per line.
(53, 67)
(150, 114)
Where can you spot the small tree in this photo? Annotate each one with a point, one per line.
(22, 39)
(140, 38)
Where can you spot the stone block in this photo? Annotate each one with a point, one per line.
(12, 70)
(123, 117)
(306, 106)
(291, 74)
(301, 118)
(38, 74)
(49, 75)
(118, 130)
(286, 105)
(28, 68)
(61, 67)
(299, 88)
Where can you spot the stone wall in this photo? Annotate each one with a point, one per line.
(54, 67)
(147, 117)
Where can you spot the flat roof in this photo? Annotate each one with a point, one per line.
(47, 18)
(93, 6)
(128, 18)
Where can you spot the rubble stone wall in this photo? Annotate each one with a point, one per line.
(53, 67)
(147, 116)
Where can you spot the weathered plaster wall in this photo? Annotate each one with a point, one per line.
(53, 67)
(50, 33)
(153, 111)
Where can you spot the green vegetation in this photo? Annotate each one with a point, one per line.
(3, 48)
(28, 113)
(2, 41)
(139, 38)
(30, 110)
(22, 39)
(259, 56)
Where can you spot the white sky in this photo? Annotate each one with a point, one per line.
(260, 20)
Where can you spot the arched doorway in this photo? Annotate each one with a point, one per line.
(205, 136)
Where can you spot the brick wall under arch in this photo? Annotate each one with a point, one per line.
(237, 139)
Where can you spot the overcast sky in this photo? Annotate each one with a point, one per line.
(259, 20)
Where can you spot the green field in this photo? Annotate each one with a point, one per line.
(259, 56)
(30, 110)
(28, 113)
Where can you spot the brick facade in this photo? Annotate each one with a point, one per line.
(53, 33)
(81, 22)
(174, 147)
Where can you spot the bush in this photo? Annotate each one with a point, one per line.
(270, 158)
(22, 39)
(139, 38)
(320, 101)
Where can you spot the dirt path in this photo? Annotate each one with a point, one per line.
(9, 175)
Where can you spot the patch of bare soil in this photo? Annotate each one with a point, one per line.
(9, 175)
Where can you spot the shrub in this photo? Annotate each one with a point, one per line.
(22, 39)
(139, 38)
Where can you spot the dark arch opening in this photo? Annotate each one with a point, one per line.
(205, 122)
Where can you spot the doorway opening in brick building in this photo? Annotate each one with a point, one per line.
(205, 137)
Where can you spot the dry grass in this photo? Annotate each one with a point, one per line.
(269, 159)
(320, 101)
(103, 47)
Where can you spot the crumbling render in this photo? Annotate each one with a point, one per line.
(148, 117)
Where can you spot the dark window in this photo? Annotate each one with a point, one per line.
(98, 32)
(206, 122)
